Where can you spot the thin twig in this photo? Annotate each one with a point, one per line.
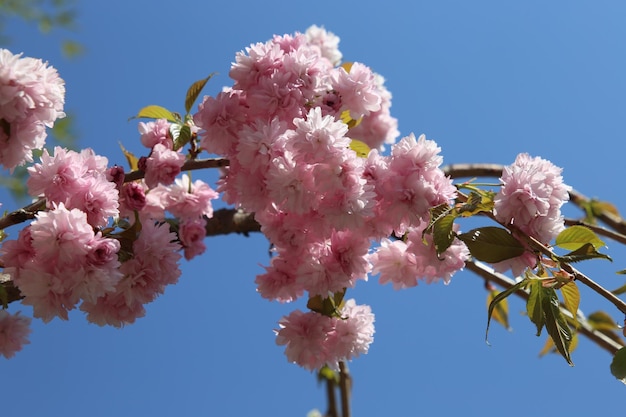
(345, 386)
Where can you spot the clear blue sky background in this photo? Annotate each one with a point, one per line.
(485, 79)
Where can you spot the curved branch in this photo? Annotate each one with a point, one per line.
(616, 223)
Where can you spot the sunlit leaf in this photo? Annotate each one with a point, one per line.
(498, 298)
(72, 49)
(571, 299)
(361, 148)
(601, 207)
(600, 320)
(477, 202)
(618, 365)
(491, 244)
(155, 112)
(555, 323)
(549, 347)
(534, 305)
(132, 160)
(183, 138)
(619, 291)
(585, 252)
(346, 117)
(194, 91)
(575, 237)
(500, 312)
(443, 232)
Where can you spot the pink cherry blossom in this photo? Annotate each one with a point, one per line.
(58, 261)
(327, 42)
(405, 263)
(154, 265)
(31, 98)
(14, 331)
(162, 166)
(354, 332)
(191, 233)
(186, 199)
(304, 336)
(357, 90)
(155, 132)
(531, 197)
(279, 281)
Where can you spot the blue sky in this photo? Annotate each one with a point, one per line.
(485, 79)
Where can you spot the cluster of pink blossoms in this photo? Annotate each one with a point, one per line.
(31, 98)
(74, 255)
(287, 126)
(530, 199)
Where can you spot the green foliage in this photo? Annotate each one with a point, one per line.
(585, 252)
(477, 201)
(544, 310)
(361, 148)
(156, 112)
(575, 237)
(618, 365)
(498, 311)
(441, 226)
(491, 244)
(327, 306)
(194, 91)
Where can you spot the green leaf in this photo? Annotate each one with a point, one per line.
(534, 305)
(443, 233)
(477, 202)
(544, 310)
(183, 135)
(500, 297)
(601, 321)
(571, 299)
(194, 91)
(575, 237)
(72, 49)
(491, 244)
(618, 365)
(500, 313)
(601, 207)
(328, 306)
(619, 291)
(587, 251)
(361, 148)
(132, 160)
(155, 112)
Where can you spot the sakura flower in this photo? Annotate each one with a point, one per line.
(354, 332)
(327, 42)
(14, 331)
(31, 98)
(304, 336)
(530, 198)
(156, 132)
(145, 276)
(191, 233)
(162, 166)
(357, 90)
